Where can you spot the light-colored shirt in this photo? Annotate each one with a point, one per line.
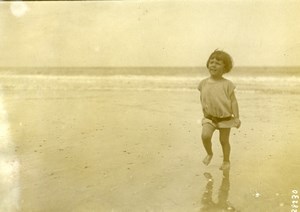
(216, 97)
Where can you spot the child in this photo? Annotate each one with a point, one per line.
(219, 105)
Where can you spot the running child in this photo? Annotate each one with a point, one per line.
(219, 105)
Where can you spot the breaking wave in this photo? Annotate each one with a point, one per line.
(140, 82)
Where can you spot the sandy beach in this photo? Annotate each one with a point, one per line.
(140, 150)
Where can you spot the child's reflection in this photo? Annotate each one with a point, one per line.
(222, 204)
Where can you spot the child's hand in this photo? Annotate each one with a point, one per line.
(237, 122)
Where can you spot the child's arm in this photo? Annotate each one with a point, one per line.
(235, 109)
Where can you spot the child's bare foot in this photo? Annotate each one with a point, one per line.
(207, 159)
(225, 165)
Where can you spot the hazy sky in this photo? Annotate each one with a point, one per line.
(149, 33)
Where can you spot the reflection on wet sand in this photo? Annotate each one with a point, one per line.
(222, 204)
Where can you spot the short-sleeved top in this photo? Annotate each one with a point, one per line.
(216, 97)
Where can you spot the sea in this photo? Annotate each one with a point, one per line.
(246, 79)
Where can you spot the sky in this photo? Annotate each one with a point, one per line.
(149, 33)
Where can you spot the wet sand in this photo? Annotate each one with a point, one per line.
(127, 150)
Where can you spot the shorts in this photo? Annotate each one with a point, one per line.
(222, 124)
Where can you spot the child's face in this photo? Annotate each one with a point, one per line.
(216, 67)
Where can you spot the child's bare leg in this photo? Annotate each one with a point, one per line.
(207, 132)
(224, 139)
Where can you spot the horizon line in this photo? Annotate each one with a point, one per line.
(244, 66)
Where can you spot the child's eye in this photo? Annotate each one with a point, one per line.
(215, 62)
(218, 62)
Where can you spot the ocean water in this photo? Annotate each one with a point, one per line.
(247, 79)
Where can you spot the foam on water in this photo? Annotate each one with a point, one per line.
(146, 82)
